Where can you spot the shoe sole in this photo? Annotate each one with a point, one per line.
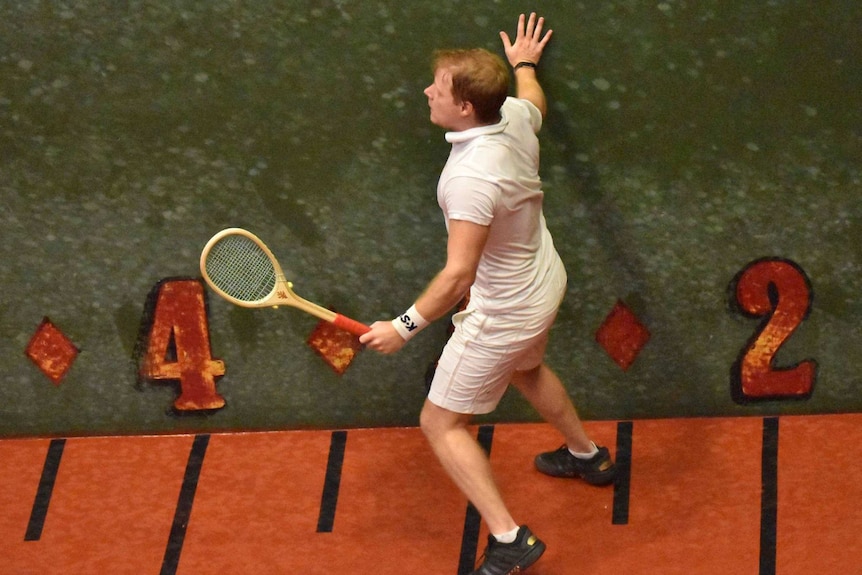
(599, 479)
(529, 557)
(532, 555)
(604, 478)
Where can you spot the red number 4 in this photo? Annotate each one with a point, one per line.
(778, 291)
(178, 345)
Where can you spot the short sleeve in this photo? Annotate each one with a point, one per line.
(527, 110)
(471, 199)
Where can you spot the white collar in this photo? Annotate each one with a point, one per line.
(470, 133)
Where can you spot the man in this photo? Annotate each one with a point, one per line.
(499, 249)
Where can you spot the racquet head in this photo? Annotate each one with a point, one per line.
(239, 267)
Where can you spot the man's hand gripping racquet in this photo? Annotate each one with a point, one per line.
(239, 267)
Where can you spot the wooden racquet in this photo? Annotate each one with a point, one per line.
(239, 267)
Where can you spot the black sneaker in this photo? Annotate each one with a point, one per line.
(508, 558)
(598, 470)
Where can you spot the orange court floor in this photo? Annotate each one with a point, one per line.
(740, 496)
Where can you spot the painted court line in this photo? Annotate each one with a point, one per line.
(622, 484)
(184, 505)
(46, 489)
(769, 497)
(332, 482)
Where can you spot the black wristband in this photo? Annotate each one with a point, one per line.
(525, 65)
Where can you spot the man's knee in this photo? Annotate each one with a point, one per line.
(526, 378)
(429, 420)
(435, 421)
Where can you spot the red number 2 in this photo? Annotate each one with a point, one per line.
(780, 292)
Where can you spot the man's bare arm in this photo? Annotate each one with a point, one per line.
(528, 47)
(464, 249)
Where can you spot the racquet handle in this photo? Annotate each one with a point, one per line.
(351, 325)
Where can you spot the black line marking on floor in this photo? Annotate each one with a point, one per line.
(332, 482)
(184, 505)
(769, 497)
(622, 484)
(45, 491)
(472, 519)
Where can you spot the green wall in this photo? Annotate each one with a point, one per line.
(684, 140)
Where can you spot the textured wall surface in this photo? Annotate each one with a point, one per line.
(684, 141)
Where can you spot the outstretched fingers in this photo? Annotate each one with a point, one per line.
(530, 39)
(530, 30)
(533, 31)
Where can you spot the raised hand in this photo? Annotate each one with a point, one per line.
(529, 41)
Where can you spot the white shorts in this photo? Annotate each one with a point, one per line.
(478, 362)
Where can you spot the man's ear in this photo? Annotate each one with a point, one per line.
(466, 109)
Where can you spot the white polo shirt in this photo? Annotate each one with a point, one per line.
(492, 179)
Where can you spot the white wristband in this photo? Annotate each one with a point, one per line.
(409, 323)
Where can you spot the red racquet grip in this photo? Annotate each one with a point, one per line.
(351, 325)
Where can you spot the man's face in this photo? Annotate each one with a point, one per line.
(445, 111)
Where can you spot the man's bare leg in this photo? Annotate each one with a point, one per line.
(545, 392)
(466, 463)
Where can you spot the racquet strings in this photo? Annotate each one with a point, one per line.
(240, 268)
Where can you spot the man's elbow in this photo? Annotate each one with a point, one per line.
(460, 279)
(465, 285)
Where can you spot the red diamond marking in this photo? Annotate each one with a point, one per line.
(622, 335)
(51, 351)
(336, 346)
